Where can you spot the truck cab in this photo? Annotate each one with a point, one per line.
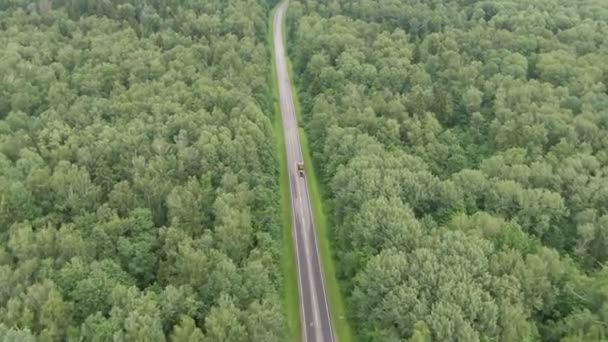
(301, 169)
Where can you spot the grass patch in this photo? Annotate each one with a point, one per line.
(291, 302)
(336, 301)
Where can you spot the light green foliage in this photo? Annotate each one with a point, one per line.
(222, 323)
(463, 147)
(13, 335)
(187, 331)
(138, 174)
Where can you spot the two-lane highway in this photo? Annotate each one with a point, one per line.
(314, 308)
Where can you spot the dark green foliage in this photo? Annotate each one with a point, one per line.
(463, 146)
(138, 177)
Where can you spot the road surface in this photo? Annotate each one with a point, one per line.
(314, 308)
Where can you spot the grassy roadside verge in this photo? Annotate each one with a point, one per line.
(336, 301)
(291, 304)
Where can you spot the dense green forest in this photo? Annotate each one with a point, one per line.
(138, 173)
(463, 146)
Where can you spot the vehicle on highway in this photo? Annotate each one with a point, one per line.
(301, 169)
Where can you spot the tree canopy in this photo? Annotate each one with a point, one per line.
(463, 148)
(138, 176)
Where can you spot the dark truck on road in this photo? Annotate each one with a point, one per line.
(301, 169)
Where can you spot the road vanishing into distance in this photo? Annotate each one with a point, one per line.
(314, 308)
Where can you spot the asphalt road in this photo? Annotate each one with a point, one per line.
(314, 308)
